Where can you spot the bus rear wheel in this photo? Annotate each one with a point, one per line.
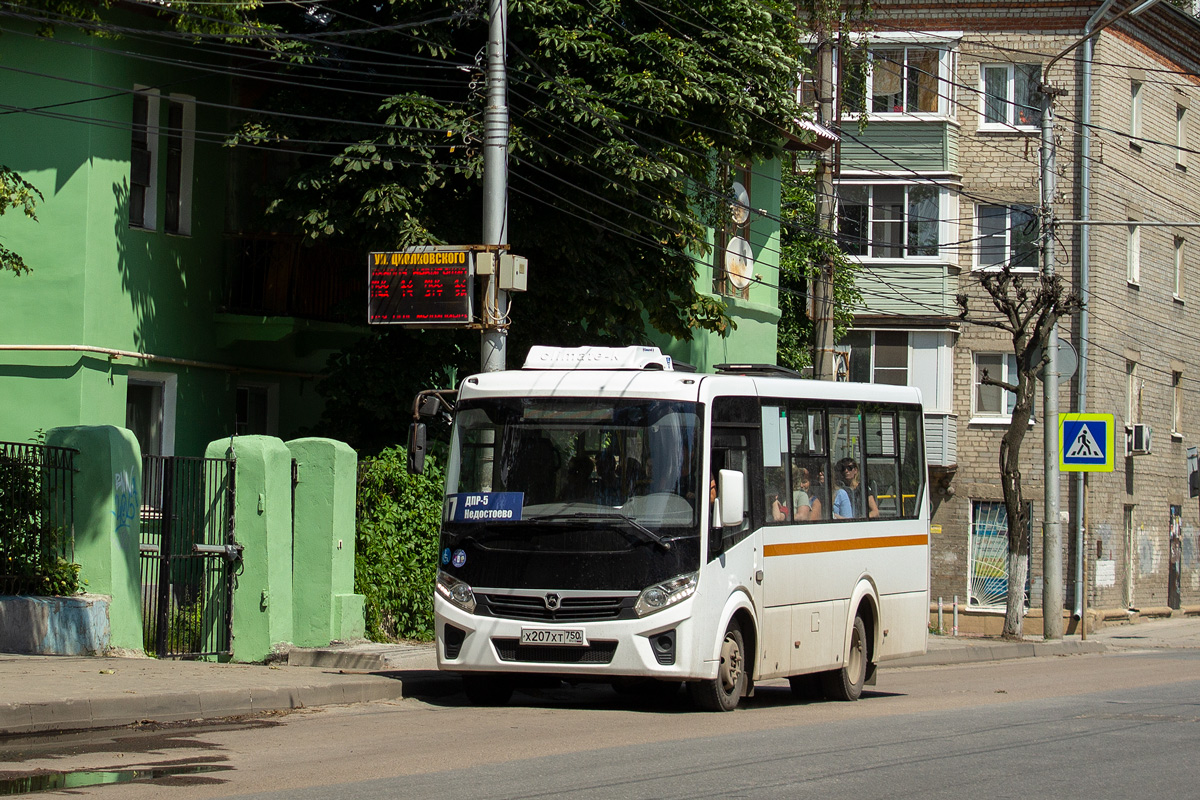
(847, 683)
(723, 693)
(487, 689)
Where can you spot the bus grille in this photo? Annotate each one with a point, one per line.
(532, 608)
(598, 652)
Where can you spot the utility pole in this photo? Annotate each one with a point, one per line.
(822, 283)
(1052, 584)
(495, 187)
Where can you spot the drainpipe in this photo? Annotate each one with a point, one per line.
(1085, 177)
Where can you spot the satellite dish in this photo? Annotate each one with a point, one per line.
(739, 262)
(739, 209)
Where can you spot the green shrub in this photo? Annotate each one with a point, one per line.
(395, 557)
(31, 545)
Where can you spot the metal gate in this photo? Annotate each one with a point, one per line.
(188, 556)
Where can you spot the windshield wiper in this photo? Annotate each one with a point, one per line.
(642, 530)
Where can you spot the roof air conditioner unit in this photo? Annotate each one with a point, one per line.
(1137, 440)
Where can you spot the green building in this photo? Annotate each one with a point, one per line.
(147, 306)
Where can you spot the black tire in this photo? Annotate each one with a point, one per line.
(806, 687)
(724, 692)
(847, 683)
(487, 689)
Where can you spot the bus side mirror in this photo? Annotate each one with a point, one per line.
(416, 448)
(731, 494)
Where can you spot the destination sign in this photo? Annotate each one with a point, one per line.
(422, 286)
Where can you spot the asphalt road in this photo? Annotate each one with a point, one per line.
(1116, 725)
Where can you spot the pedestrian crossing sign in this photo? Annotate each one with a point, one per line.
(1085, 442)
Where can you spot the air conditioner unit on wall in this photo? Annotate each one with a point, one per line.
(1137, 440)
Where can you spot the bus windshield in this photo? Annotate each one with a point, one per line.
(607, 460)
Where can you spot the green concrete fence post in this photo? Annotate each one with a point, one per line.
(262, 594)
(326, 608)
(108, 500)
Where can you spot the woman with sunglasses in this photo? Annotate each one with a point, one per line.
(847, 503)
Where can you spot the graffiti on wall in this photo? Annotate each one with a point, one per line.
(1147, 554)
(126, 501)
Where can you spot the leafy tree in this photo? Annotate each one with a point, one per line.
(1028, 309)
(16, 192)
(622, 114)
(803, 247)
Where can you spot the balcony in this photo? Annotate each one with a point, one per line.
(941, 439)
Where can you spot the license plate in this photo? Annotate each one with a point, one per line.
(568, 637)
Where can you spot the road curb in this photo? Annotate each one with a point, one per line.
(119, 710)
(998, 651)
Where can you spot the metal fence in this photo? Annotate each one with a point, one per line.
(37, 522)
(188, 555)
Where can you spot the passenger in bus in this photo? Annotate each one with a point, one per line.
(801, 500)
(777, 498)
(578, 487)
(847, 503)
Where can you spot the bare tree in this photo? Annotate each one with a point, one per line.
(1027, 307)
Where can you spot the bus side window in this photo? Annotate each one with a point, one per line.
(730, 450)
(809, 467)
(881, 475)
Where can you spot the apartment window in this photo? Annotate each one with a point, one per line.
(1181, 137)
(1133, 405)
(143, 160)
(1179, 245)
(1133, 254)
(1008, 235)
(1135, 114)
(889, 221)
(257, 409)
(150, 411)
(180, 142)
(1010, 95)
(874, 357)
(994, 401)
(1177, 403)
(895, 80)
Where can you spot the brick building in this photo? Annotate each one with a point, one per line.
(944, 181)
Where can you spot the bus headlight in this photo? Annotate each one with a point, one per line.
(666, 594)
(456, 592)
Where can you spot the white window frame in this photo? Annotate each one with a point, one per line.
(1009, 208)
(1135, 113)
(1181, 136)
(149, 220)
(1011, 123)
(945, 99)
(1008, 367)
(1180, 245)
(1133, 254)
(873, 367)
(187, 160)
(168, 384)
(271, 392)
(943, 215)
(1176, 403)
(1133, 413)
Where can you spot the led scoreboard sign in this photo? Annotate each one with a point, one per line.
(422, 286)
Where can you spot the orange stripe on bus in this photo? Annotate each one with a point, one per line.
(833, 546)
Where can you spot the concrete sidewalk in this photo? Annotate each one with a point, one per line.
(41, 694)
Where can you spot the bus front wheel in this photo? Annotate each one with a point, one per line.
(847, 683)
(724, 693)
